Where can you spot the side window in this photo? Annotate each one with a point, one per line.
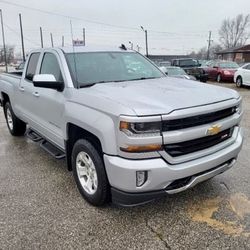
(31, 68)
(51, 66)
(248, 67)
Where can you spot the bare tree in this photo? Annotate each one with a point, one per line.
(9, 53)
(234, 32)
(202, 53)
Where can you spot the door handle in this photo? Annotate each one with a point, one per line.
(21, 88)
(36, 94)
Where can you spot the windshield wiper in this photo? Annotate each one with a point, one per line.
(90, 84)
(138, 79)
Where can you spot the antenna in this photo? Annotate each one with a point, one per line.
(74, 56)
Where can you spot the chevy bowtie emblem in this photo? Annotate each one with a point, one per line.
(214, 130)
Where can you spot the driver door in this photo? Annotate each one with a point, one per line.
(49, 103)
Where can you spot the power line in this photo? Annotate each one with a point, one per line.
(97, 22)
(66, 16)
(17, 34)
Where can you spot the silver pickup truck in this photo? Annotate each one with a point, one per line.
(129, 133)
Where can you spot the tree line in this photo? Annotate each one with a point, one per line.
(9, 54)
(233, 32)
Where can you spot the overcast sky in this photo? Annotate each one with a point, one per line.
(174, 26)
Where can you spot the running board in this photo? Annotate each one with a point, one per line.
(32, 135)
(52, 149)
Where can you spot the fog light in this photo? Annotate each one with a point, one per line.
(141, 178)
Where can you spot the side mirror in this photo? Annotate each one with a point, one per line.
(47, 81)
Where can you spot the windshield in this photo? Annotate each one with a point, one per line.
(188, 62)
(229, 65)
(99, 67)
(175, 71)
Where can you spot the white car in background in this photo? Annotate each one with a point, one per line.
(242, 76)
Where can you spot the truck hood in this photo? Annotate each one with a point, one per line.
(162, 95)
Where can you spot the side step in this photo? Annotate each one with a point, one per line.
(51, 149)
(32, 135)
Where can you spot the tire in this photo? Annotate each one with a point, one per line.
(218, 78)
(16, 126)
(239, 82)
(87, 165)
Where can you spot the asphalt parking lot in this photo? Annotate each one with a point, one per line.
(41, 208)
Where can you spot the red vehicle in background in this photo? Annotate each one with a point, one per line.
(221, 70)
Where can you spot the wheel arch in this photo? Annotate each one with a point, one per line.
(239, 76)
(4, 98)
(75, 133)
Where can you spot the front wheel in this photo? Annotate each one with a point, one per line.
(89, 173)
(218, 78)
(239, 82)
(16, 126)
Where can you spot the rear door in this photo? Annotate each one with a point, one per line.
(49, 103)
(25, 96)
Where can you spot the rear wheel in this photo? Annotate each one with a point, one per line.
(218, 78)
(239, 82)
(89, 173)
(16, 126)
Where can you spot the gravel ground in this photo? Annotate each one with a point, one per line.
(41, 208)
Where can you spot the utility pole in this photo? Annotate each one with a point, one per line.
(21, 29)
(51, 39)
(41, 35)
(62, 41)
(84, 36)
(209, 44)
(132, 45)
(4, 47)
(146, 40)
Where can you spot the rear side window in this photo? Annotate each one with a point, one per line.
(51, 66)
(31, 68)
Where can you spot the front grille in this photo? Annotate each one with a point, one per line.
(169, 125)
(187, 147)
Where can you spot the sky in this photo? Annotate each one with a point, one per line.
(174, 26)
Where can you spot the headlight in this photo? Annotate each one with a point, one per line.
(226, 72)
(239, 108)
(131, 128)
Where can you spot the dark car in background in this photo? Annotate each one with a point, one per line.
(191, 67)
(221, 71)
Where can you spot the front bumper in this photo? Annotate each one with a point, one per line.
(162, 175)
(227, 78)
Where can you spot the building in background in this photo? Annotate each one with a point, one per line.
(239, 54)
